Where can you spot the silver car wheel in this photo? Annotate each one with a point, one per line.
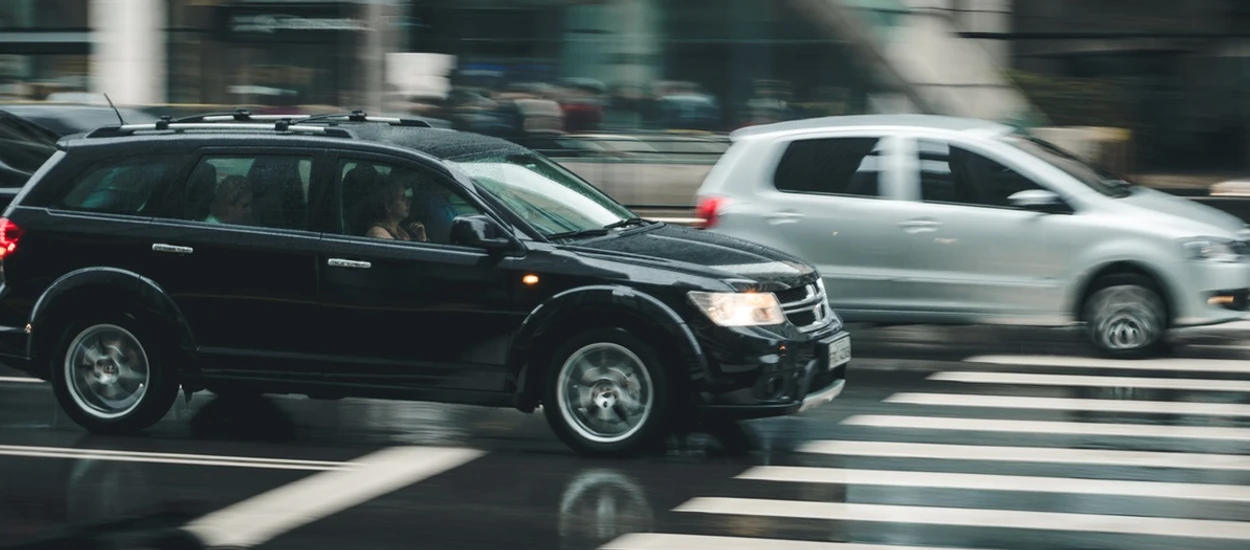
(1126, 317)
(604, 392)
(106, 370)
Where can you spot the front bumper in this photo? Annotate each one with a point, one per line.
(795, 381)
(1213, 293)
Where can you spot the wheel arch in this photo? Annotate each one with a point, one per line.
(132, 294)
(599, 306)
(1124, 267)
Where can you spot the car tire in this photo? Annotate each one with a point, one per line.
(1126, 316)
(606, 394)
(110, 375)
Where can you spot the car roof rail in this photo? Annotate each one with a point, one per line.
(244, 115)
(361, 116)
(239, 115)
(166, 124)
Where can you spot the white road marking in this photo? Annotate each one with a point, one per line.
(936, 451)
(1050, 428)
(20, 380)
(1027, 379)
(171, 458)
(972, 517)
(259, 519)
(1171, 365)
(988, 482)
(660, 541)
(1066, 404)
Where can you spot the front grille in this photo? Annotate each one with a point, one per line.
(796, 294)
(806, 307)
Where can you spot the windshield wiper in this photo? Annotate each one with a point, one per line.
(597, 232)
(626, 223)
(601, 231)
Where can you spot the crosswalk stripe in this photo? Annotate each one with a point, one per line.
(971, 517)
(938, 451)
(1068, 404)
(988, 482)
(1030, 379)
(662, 541)
(1171, 365)
(1050, 428)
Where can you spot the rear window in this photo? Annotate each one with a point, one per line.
(119, 186)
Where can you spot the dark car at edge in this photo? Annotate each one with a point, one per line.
(351, 256)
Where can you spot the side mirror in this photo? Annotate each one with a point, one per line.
(481, 232)
(1039, 200)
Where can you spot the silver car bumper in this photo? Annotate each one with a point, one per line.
(822, 397)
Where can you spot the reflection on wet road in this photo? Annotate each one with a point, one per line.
(952, 438)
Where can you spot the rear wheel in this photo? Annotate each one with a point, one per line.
(109, 375)
(607, 393)
(1126, 316)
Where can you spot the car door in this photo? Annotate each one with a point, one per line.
(240, 260)
(405, 314)
(978, 258)
(831, 202)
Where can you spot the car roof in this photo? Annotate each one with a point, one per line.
(939, 122)
(440, 143)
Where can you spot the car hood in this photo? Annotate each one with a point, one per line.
(1165, 203)
(698, 251)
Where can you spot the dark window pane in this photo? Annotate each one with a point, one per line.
(954, 175)
(120, 186)
(266, 191)
(841, 166)
(397, 202)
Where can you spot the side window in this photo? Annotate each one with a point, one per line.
(258, 190)
(838, 166)
(387, 201)
(129, 185)
(950, 174)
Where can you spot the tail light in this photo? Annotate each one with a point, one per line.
(9, 235)
(709, 211)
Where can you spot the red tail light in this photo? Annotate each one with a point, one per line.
(9, 234)
(709, 210)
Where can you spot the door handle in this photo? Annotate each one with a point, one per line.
(340, 262)
(785, 216)
(162, 247)
(920, 226)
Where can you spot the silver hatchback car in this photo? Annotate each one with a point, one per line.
(928, 219)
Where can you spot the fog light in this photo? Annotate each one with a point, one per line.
(1221, 300)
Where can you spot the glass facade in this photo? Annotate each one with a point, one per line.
(515, 66)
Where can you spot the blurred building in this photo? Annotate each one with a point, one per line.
(1173, 72)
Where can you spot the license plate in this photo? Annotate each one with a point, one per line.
(839, 352)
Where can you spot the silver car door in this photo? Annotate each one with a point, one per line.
(984, 260)
(832, 203)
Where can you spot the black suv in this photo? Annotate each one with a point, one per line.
(352, 256)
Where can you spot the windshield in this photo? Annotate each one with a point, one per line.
(1091, 176)
(544, 194)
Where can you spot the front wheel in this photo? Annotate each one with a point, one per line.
(606, 393)
(109, 376)
(1126, 317)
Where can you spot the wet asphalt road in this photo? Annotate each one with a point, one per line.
(948, 438)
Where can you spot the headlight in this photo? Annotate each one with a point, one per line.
(1210, 248)
(745, 309)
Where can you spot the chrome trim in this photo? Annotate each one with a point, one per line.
(162, 247)
(824, 397)
(306, 128)
(815, 301)
(340, 262)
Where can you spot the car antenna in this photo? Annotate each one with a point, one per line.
(119, 113)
